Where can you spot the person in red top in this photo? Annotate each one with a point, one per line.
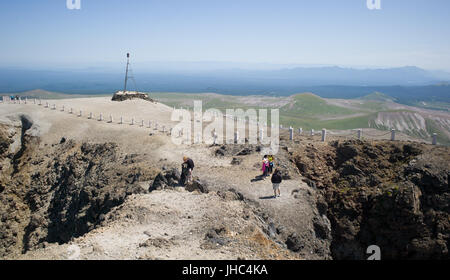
(265, 167)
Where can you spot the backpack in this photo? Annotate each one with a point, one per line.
(190, 163)
(276, 178)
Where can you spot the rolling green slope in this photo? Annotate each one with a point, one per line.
(310, 105)
(311, 123)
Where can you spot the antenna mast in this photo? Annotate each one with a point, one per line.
(126, 73)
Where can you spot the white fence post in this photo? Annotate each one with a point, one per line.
(215, 138)
(81, 113)
(121, 120)
(236, 137)
(359, 134)
(101, 117)
(312, 132)
(434, 139)
(90, 115)
(324, 134)
(111, 120)
(300, 130)
(132, 121)
(149, 124)
(261, 134)
(393, 135)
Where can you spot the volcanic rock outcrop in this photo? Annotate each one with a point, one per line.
(54, 193)
(393, 195)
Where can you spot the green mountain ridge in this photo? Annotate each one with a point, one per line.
(311, 105)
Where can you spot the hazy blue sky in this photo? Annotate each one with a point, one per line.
(46, 33)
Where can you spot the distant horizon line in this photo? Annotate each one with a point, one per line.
(221, 65)
(107, 92)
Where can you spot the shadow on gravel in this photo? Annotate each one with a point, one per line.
(268, 197)
(257, 178)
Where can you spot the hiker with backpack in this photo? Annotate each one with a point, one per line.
(276, 181)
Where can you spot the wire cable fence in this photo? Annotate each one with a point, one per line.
(360, 134)
(369, 134)
(101, 117)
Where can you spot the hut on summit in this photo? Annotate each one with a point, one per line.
(127, 95)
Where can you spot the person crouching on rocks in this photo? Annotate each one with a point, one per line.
(186, 168)
(276, 181)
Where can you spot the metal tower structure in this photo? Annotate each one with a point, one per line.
(129, 75)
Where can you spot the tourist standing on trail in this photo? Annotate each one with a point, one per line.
(265, 167)
(270, 158)
(276, 181)
(188, 165)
